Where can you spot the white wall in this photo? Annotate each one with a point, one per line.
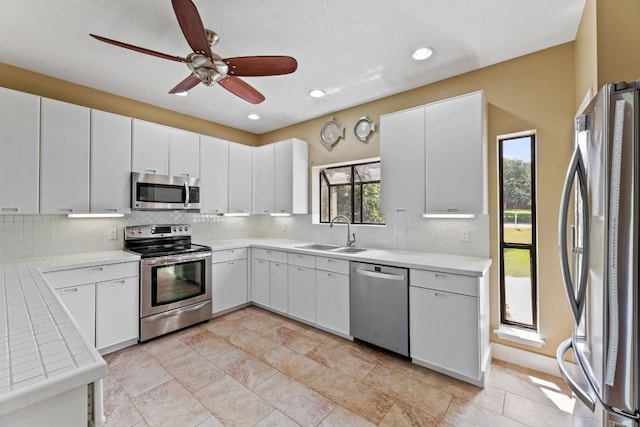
(33, 236)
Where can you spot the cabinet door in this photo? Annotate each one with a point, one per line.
(444, 330)
(240, 181)
(150, 148)
(229, 284)
(302, 293)
(214, 175)
(64, 144)
(284, 177)
(455, 154)
(279, 286)
(264, 178)
(116, 311)
(110, 163)
(332, 301)
(402, 179)
(261, 292)
(81, 303)
(184, 153)
(19, 151)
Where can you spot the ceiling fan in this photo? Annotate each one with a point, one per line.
(207, 67)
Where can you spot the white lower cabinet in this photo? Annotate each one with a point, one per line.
(81, 303)
(447, 330)
(332, 297)
(229, 279)
(302, 292)
(103, 300)
(279, 286)
(261, 291)
(116, 311)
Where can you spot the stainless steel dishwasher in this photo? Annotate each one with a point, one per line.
(380, 306)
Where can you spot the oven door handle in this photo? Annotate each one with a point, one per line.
(187, 309)
(173, 259)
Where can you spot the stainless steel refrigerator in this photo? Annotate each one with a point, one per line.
(599, 256)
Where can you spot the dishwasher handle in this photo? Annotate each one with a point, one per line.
(379, 275)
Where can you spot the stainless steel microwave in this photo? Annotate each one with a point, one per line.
(162, 192)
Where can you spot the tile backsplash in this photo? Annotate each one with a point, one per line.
(32, 236)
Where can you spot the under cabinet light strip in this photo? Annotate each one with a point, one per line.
(96, 215)
(455, 216)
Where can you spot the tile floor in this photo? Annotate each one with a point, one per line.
(255, 368)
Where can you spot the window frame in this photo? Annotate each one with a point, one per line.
(322, 177)
(531, 247)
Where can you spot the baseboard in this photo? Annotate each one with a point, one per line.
(530, 360)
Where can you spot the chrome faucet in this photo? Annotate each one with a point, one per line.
(350, 241)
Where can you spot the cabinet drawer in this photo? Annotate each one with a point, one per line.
(229, 255)
(447, 282)
(98, 273)
(332, 264)
(302, 260)
(270, 255)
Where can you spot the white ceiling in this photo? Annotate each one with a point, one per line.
(355, 50)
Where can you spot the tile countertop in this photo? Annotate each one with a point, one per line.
(453, 264)
(42, 352)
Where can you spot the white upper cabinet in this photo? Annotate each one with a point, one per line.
(240, 173)
(291, 176)
(64, 144)
(184, 153)
(110, 163)
(214, 175)
(19, 150)
(402, 179)
(264, 178)
(456, 156)
(150, 148)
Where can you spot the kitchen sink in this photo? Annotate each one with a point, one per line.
(318, 247)
(349, 250)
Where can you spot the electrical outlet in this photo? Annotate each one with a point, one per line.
(113, 234)
(464, 235)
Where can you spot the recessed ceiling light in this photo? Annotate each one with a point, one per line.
(254, 116)
(422, 53)
(181, 93)
(316, 93)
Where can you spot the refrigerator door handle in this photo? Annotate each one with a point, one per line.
(576, 168)
(583, 395)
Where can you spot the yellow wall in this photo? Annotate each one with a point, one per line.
(586, 54)
(49, 87)
(536, 91)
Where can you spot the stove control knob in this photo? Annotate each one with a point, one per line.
(131, 231)
(180, 229)
(139, 231)
(174, 229)
(186, 229)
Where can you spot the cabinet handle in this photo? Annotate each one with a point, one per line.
(441, 276)
(232, 251)
(118, 283)
(230, 263)
(401, 209)
(330, 275)
(65, 210)
(331, 260)
(111, 210)
(300, 269)
(185, 174)
(440, 294)
(11, 210)
(268, 252)
(70, 290)
(452, 210)
(96, 269)
(151, 170)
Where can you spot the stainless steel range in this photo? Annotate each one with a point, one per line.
(175, 278)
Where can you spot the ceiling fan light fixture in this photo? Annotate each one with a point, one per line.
(422, 53)
(181, 93)
(253, 116)
(317, 93)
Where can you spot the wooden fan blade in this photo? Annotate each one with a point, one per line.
(242, 89)
(256, 66)
(140, 49)
(191, 25)
(187, 84)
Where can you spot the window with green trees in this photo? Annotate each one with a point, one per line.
(352, 190)
(518, 284)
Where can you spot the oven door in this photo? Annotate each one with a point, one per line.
(175, 281)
